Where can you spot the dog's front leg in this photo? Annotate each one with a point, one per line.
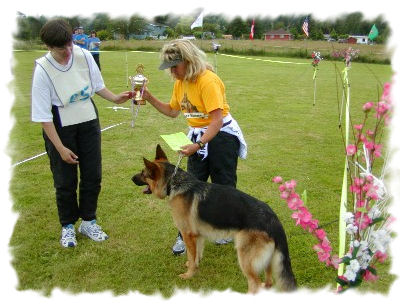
(190, 242)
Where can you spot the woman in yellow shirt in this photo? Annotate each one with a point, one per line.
(200, 95)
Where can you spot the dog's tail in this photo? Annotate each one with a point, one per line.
(281, 265)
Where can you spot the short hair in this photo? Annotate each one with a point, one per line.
(195, 59)
(56, 33)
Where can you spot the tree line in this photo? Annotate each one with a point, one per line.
(107, 28)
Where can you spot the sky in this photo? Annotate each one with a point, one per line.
(320, 10)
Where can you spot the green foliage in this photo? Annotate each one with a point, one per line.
(237, 27)
(104, 35)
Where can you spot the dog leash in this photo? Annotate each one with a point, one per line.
(180, 157)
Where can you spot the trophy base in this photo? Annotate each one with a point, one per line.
(139, 102)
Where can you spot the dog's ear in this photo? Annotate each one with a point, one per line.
(151, 168)
(160, 154)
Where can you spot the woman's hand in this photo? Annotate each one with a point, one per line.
(68, 156)
(190, 149)
(122, 97)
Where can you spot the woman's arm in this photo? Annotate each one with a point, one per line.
(162, 107)
(115, 98)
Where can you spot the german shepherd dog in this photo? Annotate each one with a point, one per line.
(204, 210)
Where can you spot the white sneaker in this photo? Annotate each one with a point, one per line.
(179, 247)
(68, 237)
(92, 230)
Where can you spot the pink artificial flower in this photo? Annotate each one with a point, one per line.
(358, 181)
(377, 150)
(372, 194)
(335, 261)
(284, 195)
(381, 109)
(386, 92)
(361, 137)
(369, 145)
(351, 149)
(370, 133)
(302, 217)
(370, 178)
(320, 234)
(290, 184)
(369, 276)
(313, 225)
(360, 203)
(362, 220)
(282, 188)
(326, 245)
(355, 189)
(277, 179)
(324, 257)
(294, 201)
(381, 257)
(368, 106)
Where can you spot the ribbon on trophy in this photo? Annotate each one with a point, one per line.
(138, 83)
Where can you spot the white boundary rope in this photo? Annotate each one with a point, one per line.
(266, 60)
(44, 153)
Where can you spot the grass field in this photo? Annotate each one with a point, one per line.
(286, 135)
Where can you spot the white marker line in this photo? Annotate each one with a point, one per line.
(44, 153)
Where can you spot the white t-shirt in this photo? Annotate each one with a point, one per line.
(44, 94)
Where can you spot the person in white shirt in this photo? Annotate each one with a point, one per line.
(64, 81)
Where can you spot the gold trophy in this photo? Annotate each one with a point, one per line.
(138, 82)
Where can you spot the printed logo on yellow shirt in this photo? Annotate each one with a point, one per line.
(189, 110)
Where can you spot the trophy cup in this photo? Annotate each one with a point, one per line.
(138, 82)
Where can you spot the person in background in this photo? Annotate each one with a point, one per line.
(64, 81)
(200, 95)
(81, 39)
(75, 32)
(94, 47)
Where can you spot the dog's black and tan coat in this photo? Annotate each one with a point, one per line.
(203, 210)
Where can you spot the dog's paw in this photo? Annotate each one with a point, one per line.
(186, 275)
(266, 285)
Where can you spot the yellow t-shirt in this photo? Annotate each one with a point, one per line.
(197, 99)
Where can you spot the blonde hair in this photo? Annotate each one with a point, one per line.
(195, 59)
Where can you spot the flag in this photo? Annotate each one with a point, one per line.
(305, 26)
(252, 31)
(198, 22)
(373, 33)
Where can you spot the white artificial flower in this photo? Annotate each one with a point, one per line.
(348, 217)
(351, 229)
(374, 212)
(354, 265)
(350, 274)
(365, 260)
(363, 245)
(380, 240)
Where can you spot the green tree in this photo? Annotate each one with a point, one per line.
(137, 25)
(101, 21)
(333, 34)
(120, 27)
(237, 27)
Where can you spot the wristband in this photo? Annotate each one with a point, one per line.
(201, 144)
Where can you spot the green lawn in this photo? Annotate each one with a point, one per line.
(286, 136)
